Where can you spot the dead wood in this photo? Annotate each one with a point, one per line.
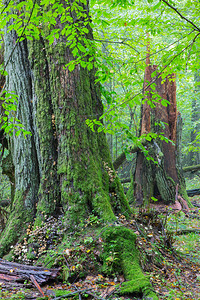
(185, 231)
(10, 271)
(32, 278)
(191, 168)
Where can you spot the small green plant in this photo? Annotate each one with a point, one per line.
(93, 220)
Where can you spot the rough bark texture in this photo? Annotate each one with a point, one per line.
(159, 180)
(63, 165)
(10, 271)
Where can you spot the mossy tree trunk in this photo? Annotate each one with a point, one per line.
(63, 165)
(159, 180)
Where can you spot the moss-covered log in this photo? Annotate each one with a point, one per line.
(121, 241)
(191, 168)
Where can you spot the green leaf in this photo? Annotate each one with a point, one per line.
(71, 67)
(81, 47)
(154, 199)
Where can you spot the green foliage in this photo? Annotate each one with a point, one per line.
(117, 51)
(9, 123)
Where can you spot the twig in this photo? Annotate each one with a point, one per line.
(36, 284)
(5, 7)
(67, 264)
(184, 18)
(95, 296)
(79, 294)
(115, 42)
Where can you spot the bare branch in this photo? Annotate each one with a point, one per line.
(152, 54)
(115, 42)
(182, 17)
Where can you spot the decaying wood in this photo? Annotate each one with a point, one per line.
(191, 168)
(10, 271)
(122, 157)
(185, 231)
(32, 278)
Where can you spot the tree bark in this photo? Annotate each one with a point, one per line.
(159, 180)
(63, 165)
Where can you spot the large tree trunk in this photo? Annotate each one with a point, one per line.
(63, 165)
(159, 180)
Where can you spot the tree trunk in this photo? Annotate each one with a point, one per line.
(159, 180)
(63, 165)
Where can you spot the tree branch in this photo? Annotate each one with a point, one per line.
(191, 168)
(122, 157)
(182, 17)
(152, 54)
(152, 81)
(115, 42)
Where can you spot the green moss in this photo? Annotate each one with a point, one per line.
(120, 243)
(16, 224)
(102, 206)
(62, 169)
(8, 257)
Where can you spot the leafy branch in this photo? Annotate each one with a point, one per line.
(154, 80)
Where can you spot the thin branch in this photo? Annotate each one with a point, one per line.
(148, 85)
(184, 18)
(142, 59)
(115, 42)
(5, 7)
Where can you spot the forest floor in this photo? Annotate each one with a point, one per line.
(169, 247)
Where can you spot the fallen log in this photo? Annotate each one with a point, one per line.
(185, 231)
(193, 192)
(190, 193)
(10, 271)
(191, 168)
